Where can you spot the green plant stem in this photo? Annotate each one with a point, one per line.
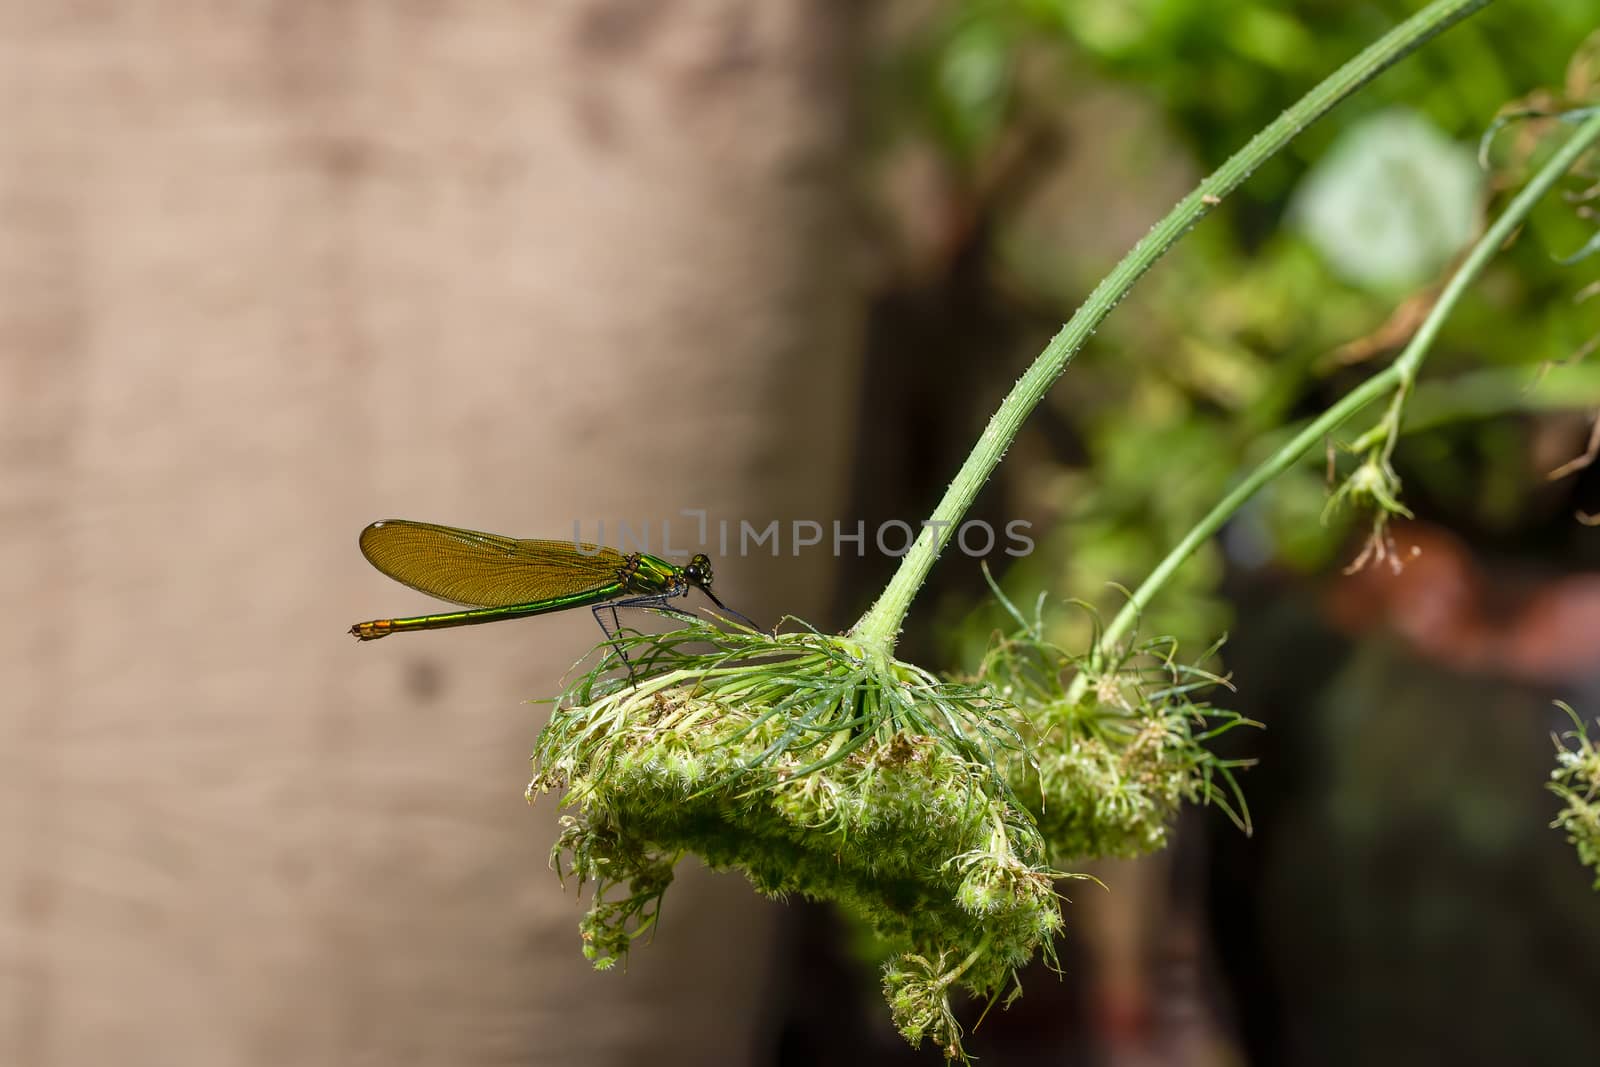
(880, 626)
(1481, 394)
(1398, 376)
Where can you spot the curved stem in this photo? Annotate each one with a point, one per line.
(1398, 376)
(880, 626)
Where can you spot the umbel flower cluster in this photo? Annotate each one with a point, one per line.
(1576, 780)
(817, 766)
(1112, 745)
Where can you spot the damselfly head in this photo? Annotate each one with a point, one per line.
(698, 572)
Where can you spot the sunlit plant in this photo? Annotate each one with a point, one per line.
(942, 811)
(1576, 780)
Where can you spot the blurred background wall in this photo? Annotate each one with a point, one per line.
(268, 272)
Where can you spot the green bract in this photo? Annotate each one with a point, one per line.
(1114, 749)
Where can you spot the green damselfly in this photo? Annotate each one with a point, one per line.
(497, 578)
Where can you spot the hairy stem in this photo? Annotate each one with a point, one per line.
(880, 626)
(1398, 376)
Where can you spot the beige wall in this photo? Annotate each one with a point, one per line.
(269, 271)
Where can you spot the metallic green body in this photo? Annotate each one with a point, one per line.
(493, 577)
(640, 575)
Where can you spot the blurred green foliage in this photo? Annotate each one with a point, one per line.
(1070, 125)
